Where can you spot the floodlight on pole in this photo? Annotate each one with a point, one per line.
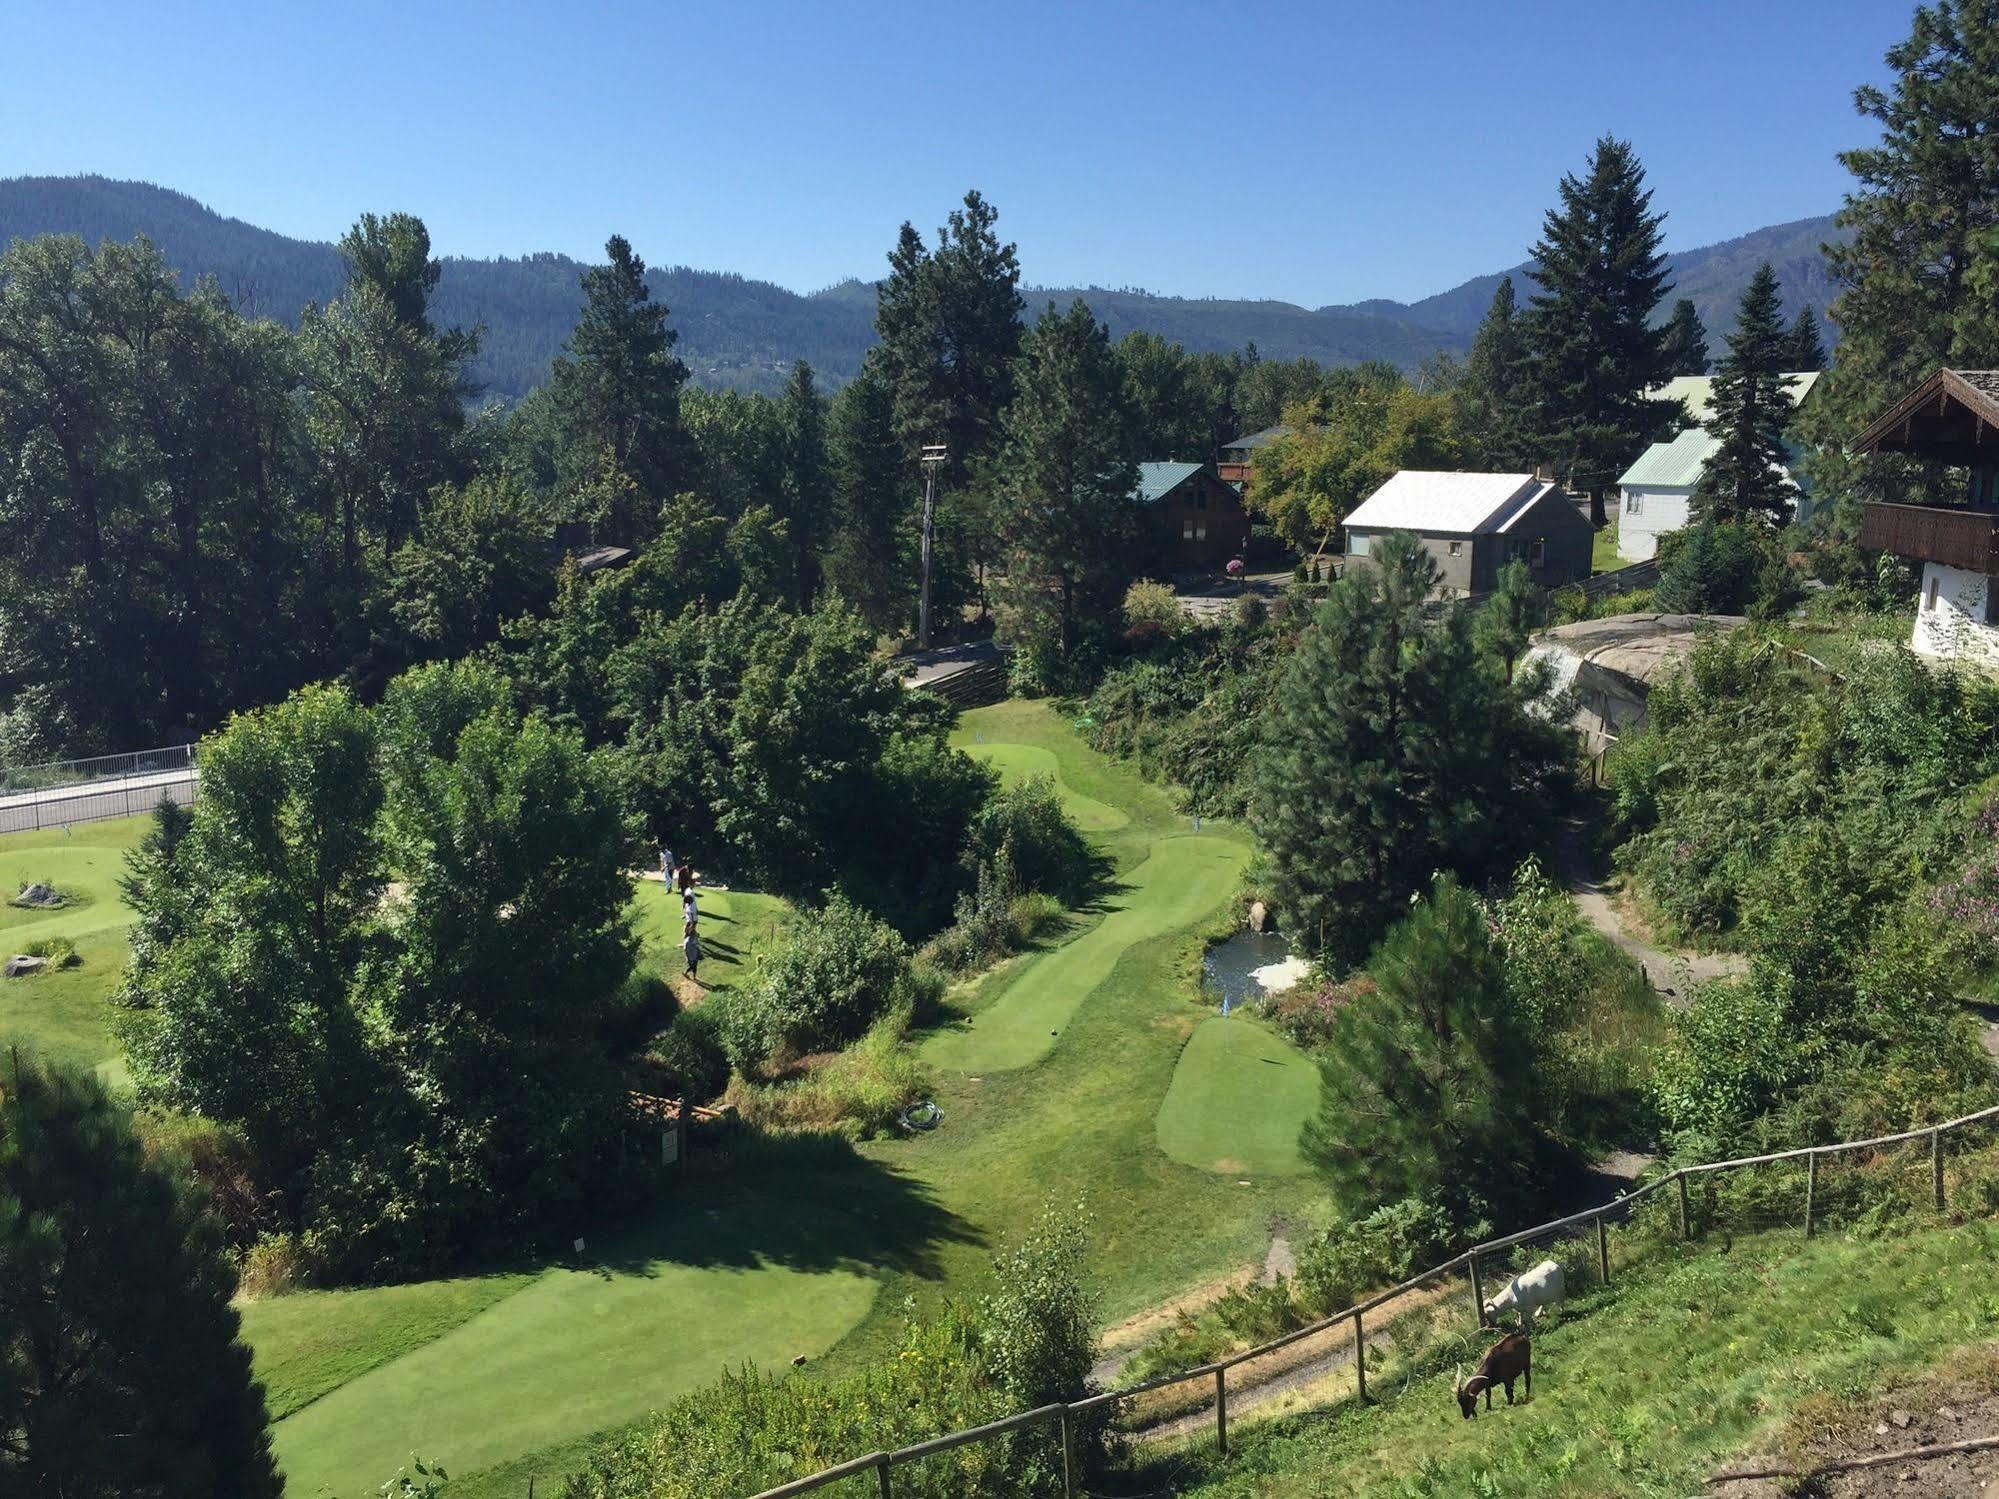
(933, 455)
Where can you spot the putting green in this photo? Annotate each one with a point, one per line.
(1183, 880)
(1017, 762)
(575, 1351)
(1239, 1096)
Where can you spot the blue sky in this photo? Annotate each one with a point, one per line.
(1315, 152)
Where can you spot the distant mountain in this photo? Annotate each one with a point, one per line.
(735, 332)
(1714, 276)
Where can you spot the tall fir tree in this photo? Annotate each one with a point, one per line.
(1067, 521)
(121, 1369)
(1747, 476)
(1686, 340)
(1918, 265)
(1389, 754)
(617, 395)
(1428, 1079)
(1804, 349)
(1596, 353)
(805, 496)
(871, 560)
(1493, 398)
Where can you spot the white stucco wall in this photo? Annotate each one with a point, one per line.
(1950, 616)
(1660, 510)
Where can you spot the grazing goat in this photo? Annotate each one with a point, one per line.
(1530, 1291)
(1505, 1361)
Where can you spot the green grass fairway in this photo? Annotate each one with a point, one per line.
(1183, 881)
(1240, 1095)
(736, 925)
(66, 1015)
(719, 1276)
(1017, 762)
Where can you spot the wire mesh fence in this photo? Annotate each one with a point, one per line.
(63, 792)
(1407, 1326)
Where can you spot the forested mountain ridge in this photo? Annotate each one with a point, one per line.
(744, 334)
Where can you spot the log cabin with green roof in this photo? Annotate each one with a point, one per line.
(1199, 520)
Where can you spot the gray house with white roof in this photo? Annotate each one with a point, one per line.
(1474, 524)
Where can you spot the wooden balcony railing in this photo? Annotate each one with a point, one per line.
(1955, 536)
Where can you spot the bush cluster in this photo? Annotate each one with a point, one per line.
(836, 972)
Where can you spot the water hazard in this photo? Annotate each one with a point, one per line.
(1248, 966)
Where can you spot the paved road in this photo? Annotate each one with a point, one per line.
(94, 801)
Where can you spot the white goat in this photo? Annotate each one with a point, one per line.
(1529, 1291)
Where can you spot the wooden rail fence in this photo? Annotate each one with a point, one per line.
(1062, 1416)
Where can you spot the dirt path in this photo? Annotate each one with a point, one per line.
(1671, 971)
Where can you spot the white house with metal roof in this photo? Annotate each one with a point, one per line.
(1656, 492)
(1473, 524)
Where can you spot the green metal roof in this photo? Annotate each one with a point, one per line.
(1157, 480)
(1672, 465)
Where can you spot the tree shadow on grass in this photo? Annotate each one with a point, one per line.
(803, 1202)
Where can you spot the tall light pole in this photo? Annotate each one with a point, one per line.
(933, 455)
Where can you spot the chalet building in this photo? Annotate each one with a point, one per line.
(1238, 456)
(1951, 418)
(1201, 522)
(1474, 524)
(1655, 495)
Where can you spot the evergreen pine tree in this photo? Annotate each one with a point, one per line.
(1428, 1079)
(1493, 398)
(1595, 350)
(1747, 475)
(120, 1367)
(1067, 522)
(1686, 340)
(1389, 754)
(617, 393)
(871, 559)
(1804, 349)
(805, 500)
(1918, 268)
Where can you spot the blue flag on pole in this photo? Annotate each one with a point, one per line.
(1225, 1007)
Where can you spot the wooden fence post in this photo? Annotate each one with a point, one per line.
(1222, 1411)
(881, 1472)
(1936, 1167)
(1602, 1250)
(1811, 1187)
(1686, 1215)
(1068, 1456)
(1360, 1358)
(1477, 1294)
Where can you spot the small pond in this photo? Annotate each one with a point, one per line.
(1239, 969)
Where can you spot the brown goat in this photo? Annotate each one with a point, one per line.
(1509, 1359)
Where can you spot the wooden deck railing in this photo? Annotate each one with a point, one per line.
(1062, 1416)
(1953, 535)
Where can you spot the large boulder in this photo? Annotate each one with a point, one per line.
(40, 897)
(21, 965)
(1259, 916)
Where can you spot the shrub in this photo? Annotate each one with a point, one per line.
(1307, 1012)
(860, 1092)
(280, 1263)
(643, 1004)
(1028, 839)
(1152, 609)
(837, 970)
(690, 1054)
(1711, 568)
(1351, 1258)
(1251, 613)
(57, 952)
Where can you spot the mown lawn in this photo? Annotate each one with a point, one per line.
(66, 1015)
(1683, 1363)
(1603, 556)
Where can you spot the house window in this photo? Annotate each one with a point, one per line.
(1187, 529)
(1457, 548)
(1537, 554)
(1201, 531)
(1634, 502)
(1357, 545)
(1930, 598)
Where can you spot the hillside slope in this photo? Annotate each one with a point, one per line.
(740, 333)
(1703, 1352)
